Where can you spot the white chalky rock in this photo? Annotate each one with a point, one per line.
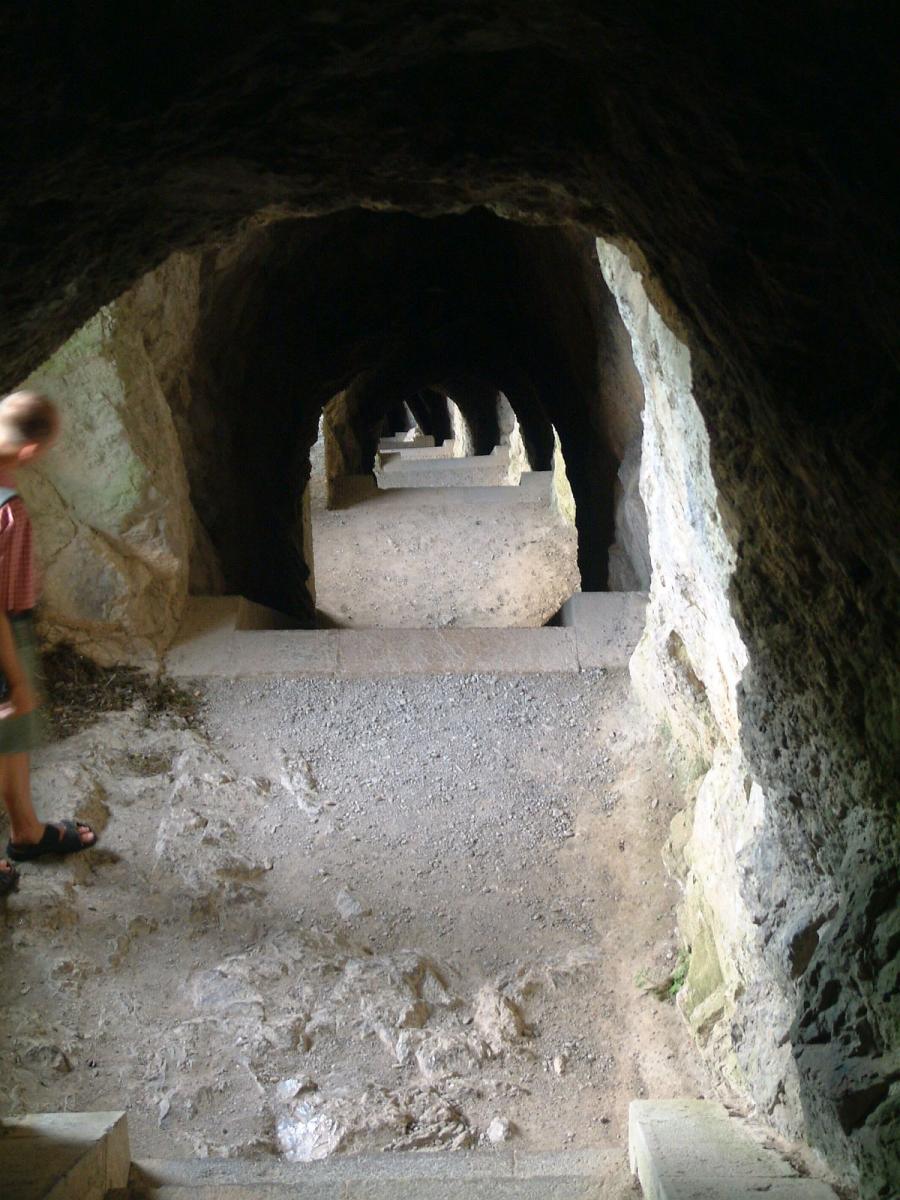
(499, 1130)
(307, 1135)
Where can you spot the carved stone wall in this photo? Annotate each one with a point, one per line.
(743, 150)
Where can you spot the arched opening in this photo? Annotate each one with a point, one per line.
(740, 184)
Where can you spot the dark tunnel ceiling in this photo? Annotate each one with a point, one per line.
(744, 150)
(383, 306)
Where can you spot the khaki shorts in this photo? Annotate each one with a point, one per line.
(19, 734)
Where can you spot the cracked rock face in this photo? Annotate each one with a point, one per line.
(110, 502)
(766, 921)
(750, 175)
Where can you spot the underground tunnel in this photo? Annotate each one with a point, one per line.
(663, 261)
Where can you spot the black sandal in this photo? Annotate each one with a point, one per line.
(60, 837)
(9, 879)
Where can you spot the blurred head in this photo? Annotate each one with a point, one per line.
(29, 424)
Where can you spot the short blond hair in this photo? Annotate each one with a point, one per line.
(26, 418)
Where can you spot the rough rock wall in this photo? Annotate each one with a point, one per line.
(759, 901)
(629, 555)
(511, 436)
(110, 503)
(163, 310)
(561, 489)
(462, 436)
(743, 148)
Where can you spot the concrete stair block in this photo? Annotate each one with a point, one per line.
(372, 653)
(468, 1175)
(693, 1150)
(416, 453)
(399, 442)
(209, 646)
(63, 1156)
(401, 471)
(607, 625)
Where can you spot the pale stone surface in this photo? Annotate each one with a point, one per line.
(399, 471)
(208, 644)
(63, 1156)
(414, 452)
(607, 625)
(687, 669)
(462, 435)
(561, 1187)
(692, 558)
(629, 556)
(563, 499)
(401, 442)
(693, 1150)
(461, 1175)
(367, 653)
(110, 502)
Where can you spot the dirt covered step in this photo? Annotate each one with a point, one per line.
(461, 1175)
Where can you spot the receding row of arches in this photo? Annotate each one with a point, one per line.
(358, 313)
(745, 177)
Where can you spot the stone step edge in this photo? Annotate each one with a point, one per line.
(149, 1174)
(695, 1150)
(68, 1155)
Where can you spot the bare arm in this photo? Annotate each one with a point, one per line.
(21, 698)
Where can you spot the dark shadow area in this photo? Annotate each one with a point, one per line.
(367, 308)
(738, 153)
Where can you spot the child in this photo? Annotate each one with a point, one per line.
(28, 426)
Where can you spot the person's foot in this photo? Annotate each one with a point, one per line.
(56, 837)
(9, 877)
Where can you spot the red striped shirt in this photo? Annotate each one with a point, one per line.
(18, 574)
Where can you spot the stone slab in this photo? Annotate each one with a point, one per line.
(209, 645)
(476, 496)
(546, 1188)
(693, 1150)
(385, 653)
(398, 442)
(414, 454)
(607, 625)
(536, 485)
(396, 471)
(471, 1164)
(461, 1175)
(308, 1190)
(63, 1156)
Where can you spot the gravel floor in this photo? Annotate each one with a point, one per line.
(354, 915)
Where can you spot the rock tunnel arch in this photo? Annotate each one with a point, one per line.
(376, 307)
(710, 192)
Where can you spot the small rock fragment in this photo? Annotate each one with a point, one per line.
(349, 907)
(289, 1088)
(499, 1130)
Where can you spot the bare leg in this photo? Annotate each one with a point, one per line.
(24, 827)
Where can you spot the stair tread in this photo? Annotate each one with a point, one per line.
(544, 1188)
(460, 1164)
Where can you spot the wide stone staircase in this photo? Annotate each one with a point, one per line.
(678, 1150)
